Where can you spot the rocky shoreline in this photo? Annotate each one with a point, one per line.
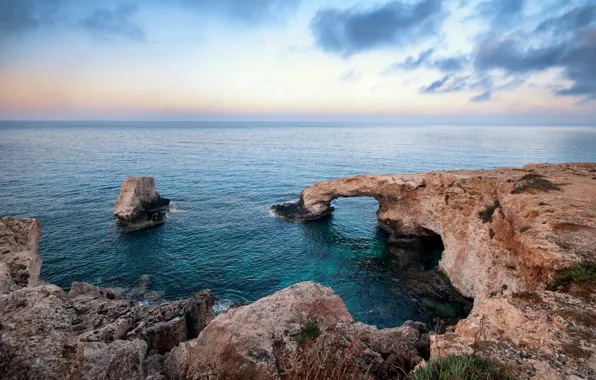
(509, 234)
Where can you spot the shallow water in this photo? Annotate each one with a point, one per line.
(222, 178)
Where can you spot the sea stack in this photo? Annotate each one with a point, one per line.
(139, 206)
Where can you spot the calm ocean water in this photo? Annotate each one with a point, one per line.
(222, 177)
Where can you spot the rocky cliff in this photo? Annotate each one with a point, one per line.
(507, 233)
(139, 206)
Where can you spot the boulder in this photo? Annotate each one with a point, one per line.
(265, 340)
(139, 206)
(240, 343)
(19, 262)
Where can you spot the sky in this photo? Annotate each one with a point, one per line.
(404, 61)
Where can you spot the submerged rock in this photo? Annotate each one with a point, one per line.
(139, 206)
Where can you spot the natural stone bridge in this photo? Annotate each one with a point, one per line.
(528, 236)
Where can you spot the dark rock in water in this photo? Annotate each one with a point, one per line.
(139, 206)
(297, 212)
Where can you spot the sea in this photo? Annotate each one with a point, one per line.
(222, 178)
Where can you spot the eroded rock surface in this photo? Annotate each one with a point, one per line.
(91, 333)
(19, 262)
(139, 206)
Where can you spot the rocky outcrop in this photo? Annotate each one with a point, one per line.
(536, 335)
(507, 233)
(91, 333)
(139, 206)
(260, 340)
(19, 262)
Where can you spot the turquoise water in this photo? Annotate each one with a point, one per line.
(222, 178)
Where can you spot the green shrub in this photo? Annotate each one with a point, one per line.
(536, 182)
(310, 331)
(464, 367)
(487, 214)
(577, 273)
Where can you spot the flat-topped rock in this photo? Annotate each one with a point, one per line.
(139, 206)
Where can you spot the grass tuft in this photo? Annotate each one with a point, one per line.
(309, 332)
(577, 273)
(487, 214)
(460, 367)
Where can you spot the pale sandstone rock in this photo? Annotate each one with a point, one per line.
(19, 263)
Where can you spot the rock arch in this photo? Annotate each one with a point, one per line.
(481, 254)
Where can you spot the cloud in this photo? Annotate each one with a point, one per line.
(566, 42)
(20, 15)
(250, 11)
(500, 14)
(350, 31)
(425, 59)
(449, 83)
(115, 23)
(484, 97)
(572, 21)
(574, 54)
(350, 77)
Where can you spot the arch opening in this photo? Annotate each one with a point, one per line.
(405, 265)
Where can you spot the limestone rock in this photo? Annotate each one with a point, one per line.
(139, 205)
(531, 332)
(101, 315)
(36, 335)
(19, 262)
(117, 360)
(171, 323)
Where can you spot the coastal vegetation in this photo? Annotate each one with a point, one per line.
(487, 214)
(310, 331)
(461, 367)
(534, 181)
(578, 273)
